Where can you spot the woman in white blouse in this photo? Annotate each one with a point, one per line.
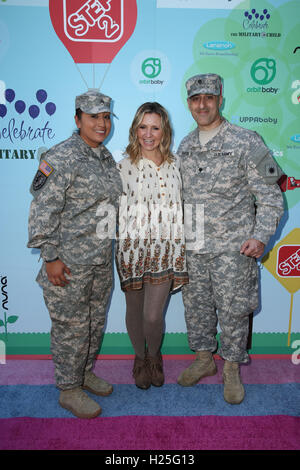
(150, 250)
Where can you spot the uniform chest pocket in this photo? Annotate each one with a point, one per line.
(226, 177)
(89, 183)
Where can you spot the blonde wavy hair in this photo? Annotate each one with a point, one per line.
(133, 149)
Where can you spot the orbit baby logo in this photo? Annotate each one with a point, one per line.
(23, 122)
(150, 70)
(263, 72)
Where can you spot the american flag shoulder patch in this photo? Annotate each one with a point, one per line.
(45, 168)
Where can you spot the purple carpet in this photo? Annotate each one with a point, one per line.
(166, 418)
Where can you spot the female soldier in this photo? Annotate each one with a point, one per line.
(76, 183)
(150, 249)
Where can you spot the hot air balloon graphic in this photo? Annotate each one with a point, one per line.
(93, 31)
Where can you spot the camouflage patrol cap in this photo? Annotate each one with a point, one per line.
(209, 83)
(93, 102)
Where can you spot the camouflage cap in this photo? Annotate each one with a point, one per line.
(209, 83)
(93, 102)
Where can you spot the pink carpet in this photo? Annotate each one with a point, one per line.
(152, 432)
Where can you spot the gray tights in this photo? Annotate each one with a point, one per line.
(144, 316)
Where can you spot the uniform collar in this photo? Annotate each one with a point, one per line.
(86, 150)
(215, 143)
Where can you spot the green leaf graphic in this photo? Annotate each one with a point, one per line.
(12, 319)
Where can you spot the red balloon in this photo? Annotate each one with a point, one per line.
(93, 31)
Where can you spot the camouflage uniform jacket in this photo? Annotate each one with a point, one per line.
(234, 177)
(71, 191)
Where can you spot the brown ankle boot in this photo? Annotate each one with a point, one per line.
(141, 373)
(156, 370)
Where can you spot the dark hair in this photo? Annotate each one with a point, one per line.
(78, 113)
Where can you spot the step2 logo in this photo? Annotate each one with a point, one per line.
(93, 31)
(263, 72)
(150, 70)
(288, 261)
(97, 21)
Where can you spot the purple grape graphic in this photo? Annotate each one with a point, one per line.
(50, 108)
(34, 111)
(41, 96)
(3, 110)
(9, 95)
(20, 106)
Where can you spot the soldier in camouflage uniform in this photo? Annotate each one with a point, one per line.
(229, 173)
(74, 187)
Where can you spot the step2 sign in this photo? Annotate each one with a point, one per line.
(288, 261)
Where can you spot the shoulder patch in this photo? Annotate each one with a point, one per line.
(45, 170)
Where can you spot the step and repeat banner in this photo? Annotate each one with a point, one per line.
(137, 51)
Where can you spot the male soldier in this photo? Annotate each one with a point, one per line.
(76, 184)
(229, 171)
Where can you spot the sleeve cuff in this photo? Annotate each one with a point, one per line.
(49, 252)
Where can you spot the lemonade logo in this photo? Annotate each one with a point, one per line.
(263, 72)
(296, 138)
(218, 48)
(150, 70)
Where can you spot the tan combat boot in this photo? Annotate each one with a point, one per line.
(79, 403)
(96, 385)
(233, 388)
(203, 366)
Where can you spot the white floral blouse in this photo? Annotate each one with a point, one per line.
(150, 241)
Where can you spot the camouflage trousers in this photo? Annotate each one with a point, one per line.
(221, 287)
(78, 314)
